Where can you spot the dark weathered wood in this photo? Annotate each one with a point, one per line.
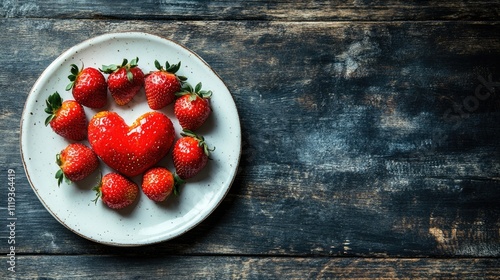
(216, 267)
(357, 140)
(324, 10)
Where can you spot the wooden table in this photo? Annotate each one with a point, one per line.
(370, 139)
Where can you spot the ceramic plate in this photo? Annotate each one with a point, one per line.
(145, 221)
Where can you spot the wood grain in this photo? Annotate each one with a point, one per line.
(319, 10)
(216, 267)
(360, 138)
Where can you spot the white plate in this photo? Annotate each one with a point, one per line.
(145, 222)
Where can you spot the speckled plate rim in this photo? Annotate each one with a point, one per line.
(65, 56)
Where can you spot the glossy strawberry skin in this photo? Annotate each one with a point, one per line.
(189, 156)
(192, 111)
(76, 162)
(131, 150)
(116, 191)
(70, 121)
(125, 80)
(158, 183)
(89, 87)
(122, 90)
(67, 118)
(160, 88)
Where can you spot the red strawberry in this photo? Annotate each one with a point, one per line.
(190, 154)
(162, 85)
(192, 108)
(124, 81)
(66, 118)
(76, 162)
(89, 86)
(158, 183)
(116, 191)
(133, 149)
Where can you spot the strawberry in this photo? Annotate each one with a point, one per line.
(67, 118)
(131, 150)
(158, 183)
(76, 162)
(190, 154)
(162, 85)
(192, 108)
(124, 81)
(116, 191)
(89, 86)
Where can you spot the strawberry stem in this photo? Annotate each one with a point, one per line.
(97, 189)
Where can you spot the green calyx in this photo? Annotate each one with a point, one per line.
(201, 141)
(170, 68)
(72, 77)
(177, 183)
(53, 102)
(60, 176)
(97, 189)
(108, 69)
(193, 92)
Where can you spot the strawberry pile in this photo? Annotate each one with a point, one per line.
(134, 150)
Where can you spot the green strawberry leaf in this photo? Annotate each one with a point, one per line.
(187, 88)
(53, 102)
(70, 85)
(197, 88)
(58, 160)
(158, 65)
(108, 69)
(74, 69)
(60, 177)
(178, 182)
(97, 189)
(133, 63)
(205, 94)
(49, 119)
(201, 141)
(130, 76)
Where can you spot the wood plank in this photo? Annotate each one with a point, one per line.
(324, 10)
(371, 150)
(220, 267)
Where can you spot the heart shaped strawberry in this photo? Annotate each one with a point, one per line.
(131, 150)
